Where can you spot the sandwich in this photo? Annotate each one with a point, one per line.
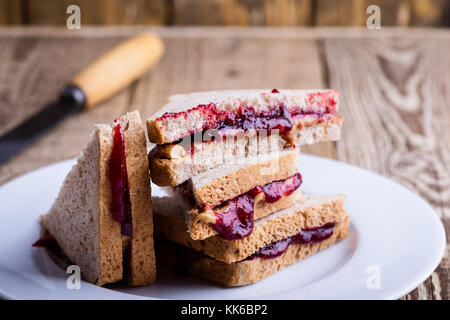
(200, 131)
(102, 217)
(232, 210)
(312, 224)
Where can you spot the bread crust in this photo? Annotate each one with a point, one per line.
(142, 258)
(251, 271)
(309, 212)
(110, 238)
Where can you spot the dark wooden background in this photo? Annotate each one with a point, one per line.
(227, 12)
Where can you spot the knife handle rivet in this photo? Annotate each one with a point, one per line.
(74, 96)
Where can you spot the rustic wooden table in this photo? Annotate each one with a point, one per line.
(394, 84)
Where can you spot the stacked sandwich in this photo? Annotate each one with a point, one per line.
(234, 208)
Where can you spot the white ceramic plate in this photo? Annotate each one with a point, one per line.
(396, 240)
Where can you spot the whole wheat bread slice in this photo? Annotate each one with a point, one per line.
(247, 271)
(80, 218)
(310, 211)
(169, 168)
(225, 182)
(142, 266)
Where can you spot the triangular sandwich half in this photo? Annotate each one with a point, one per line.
(102, 218)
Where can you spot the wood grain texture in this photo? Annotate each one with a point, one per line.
(227, 12)
(97, 12)
(11, 12)
(393, 83)
(395, 106)
(242, 12)
(353, 12)
(289, 12)
(430, 13)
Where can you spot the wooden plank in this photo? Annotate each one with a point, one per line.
(227, 12)
(11, 12)
(353, 12)
(430, 13)
(397, 122)
(99, 12)
(51, 12)
(242, 12)
(288, 12)
(3, 12)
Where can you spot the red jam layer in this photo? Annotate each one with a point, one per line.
(305, 236)
(247, 118)
(121, 205)
(50, 244)
(237, 222)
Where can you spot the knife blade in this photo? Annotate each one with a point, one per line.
(101, 79)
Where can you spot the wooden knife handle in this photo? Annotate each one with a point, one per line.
(117, 68)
